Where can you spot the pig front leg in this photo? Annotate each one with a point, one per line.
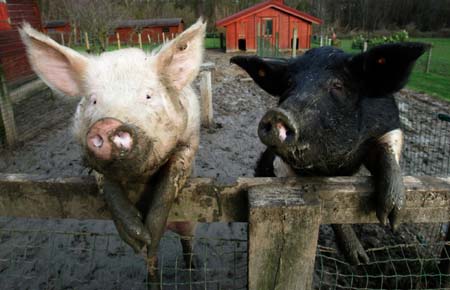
(384, 163)
(171, 179)
(350, 245)
(128, 220)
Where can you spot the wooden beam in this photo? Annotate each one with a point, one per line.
(7, 112)
(26, 90)
(206, 99)
(284, 230)
(344, 200)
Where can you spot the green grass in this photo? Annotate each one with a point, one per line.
(212, 42)
(437, 81)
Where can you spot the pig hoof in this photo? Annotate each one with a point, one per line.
(356, 254)
(391, 201)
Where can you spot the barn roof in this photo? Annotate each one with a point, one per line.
(268, 4)
(149, 22)
(55, 23)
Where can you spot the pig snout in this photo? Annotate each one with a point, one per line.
(277, 129)
(109, 136)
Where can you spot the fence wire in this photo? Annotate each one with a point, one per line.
(426, 127)
(403, 266)
(43, 258)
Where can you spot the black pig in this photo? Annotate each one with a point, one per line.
(337, 112)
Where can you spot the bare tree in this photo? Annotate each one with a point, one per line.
(97, 17)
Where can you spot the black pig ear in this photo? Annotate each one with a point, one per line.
(386, 68)
(269, 73)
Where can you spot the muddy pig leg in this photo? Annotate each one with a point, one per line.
(350, 245)
(186, 230)
(384, 164)
(171, 179)
(128, 220)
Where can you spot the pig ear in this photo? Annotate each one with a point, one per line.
(269, 73)
(386, 68)
(179, 61)
(59, 67)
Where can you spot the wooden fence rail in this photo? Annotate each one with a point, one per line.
(284, 214)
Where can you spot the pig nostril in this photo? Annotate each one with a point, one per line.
(285, 134)
(266, 128)
(289, 135)
(123, 140)
(97, 141)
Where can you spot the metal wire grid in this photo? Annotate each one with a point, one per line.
(403, 266)
(427, 138)
(45, 259)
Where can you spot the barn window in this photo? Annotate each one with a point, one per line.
(268, 26)
(165, 29)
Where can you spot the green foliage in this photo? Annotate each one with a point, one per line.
(399, 36)
(336, 42)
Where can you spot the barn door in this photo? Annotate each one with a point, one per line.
(267, 37)
(242, 35)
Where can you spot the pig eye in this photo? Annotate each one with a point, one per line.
(337, 90)
(93, 99)
(337, 86)
(148, 97)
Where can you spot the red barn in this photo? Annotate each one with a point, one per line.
(13, 58)
(57, 28)
(154, 28)
(271, 16)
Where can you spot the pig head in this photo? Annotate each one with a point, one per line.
(137, 122)
(336, 112)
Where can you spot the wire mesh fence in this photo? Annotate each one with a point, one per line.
(35, 255)
(403, 266)
(426, 127)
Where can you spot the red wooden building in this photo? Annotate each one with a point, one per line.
(273, 17)
(154, 28)
(13, 58)
(57, 29)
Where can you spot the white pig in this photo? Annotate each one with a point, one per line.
(138, 124)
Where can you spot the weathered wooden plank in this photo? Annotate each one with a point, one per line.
(7, 112)
(284, 229)
(28, 89)
(206, 99)
(344, 200)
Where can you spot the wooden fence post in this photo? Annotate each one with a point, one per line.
(118, 40)
(206, 99)
(258, 39)
(149, 40)
(62, 38)
(140, 40)
(86, 40)
(294, 42)
(427, 68)
(7, 112)
(75, 40)
(283, 232)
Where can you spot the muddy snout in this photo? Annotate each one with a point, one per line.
(276, 128)
(108, 138)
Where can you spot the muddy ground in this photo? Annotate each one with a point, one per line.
(69, 254)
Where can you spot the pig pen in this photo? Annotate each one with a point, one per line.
(71, 254)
